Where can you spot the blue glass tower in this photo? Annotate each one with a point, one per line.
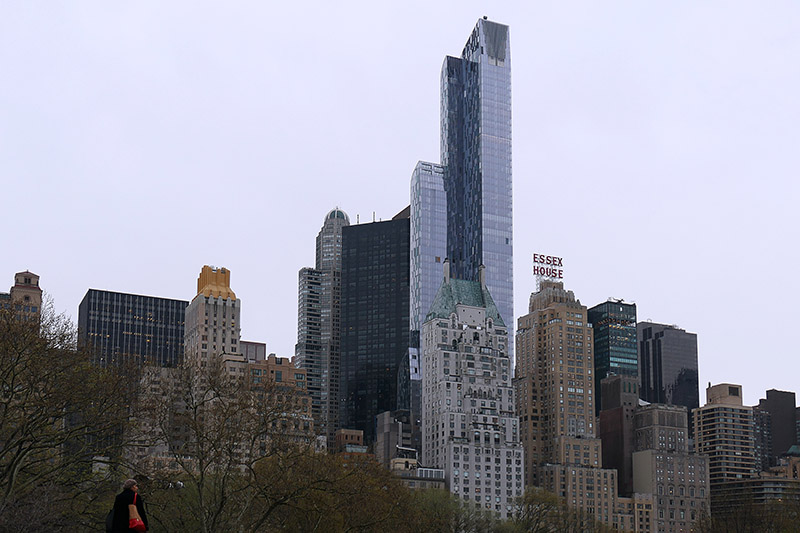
(476, 156)
(428, 212)
(428, 244)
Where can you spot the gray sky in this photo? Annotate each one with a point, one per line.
(656, 148)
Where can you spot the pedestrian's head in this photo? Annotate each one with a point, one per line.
(130, 484)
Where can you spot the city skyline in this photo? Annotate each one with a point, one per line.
(678, 124)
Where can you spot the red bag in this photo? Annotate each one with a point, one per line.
(134, 520)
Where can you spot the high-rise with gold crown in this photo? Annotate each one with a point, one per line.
(212, 318)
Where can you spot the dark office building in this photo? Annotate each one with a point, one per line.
(620, 398)
(375, 322)
(783, 415)
(797, 414)
(762, 439)
(615, 352)
(668, 365)
(115, 326)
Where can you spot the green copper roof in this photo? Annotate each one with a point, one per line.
(459, 291)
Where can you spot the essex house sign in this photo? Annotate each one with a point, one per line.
(548, 267)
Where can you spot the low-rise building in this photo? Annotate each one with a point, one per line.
(393, 434)
(731, 496)
(416, 477)
(25, 296)
(349, 441)
(788, 464)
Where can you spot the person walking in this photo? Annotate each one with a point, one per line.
(127, 505)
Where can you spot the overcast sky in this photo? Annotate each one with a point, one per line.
(656, 148)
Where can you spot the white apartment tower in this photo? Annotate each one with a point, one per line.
(468, 423)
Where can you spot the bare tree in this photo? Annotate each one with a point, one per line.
(209, 429)
(60, 418)
(742, 514)
(536, 511)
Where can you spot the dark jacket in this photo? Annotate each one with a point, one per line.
(121, 503)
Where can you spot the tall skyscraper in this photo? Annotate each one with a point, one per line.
(554, 385)
(797, 415)
(782, 421)
(476, 156)
(762, 439)
(615, 350)
(468, 423)
(213, 326)
(374, 374)
(428, 213)
(724, 431)
(554, 379)
(308, 352)
(668, 365)
(318, 324)
(116, 326)
(428, 245)
(620, 398)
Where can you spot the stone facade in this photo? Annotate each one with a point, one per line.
(468, 425)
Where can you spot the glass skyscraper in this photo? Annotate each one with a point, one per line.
(668, 366)
(374, 330)
(428, 212)
(428, 247)
(615, 350)
(476, 156)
